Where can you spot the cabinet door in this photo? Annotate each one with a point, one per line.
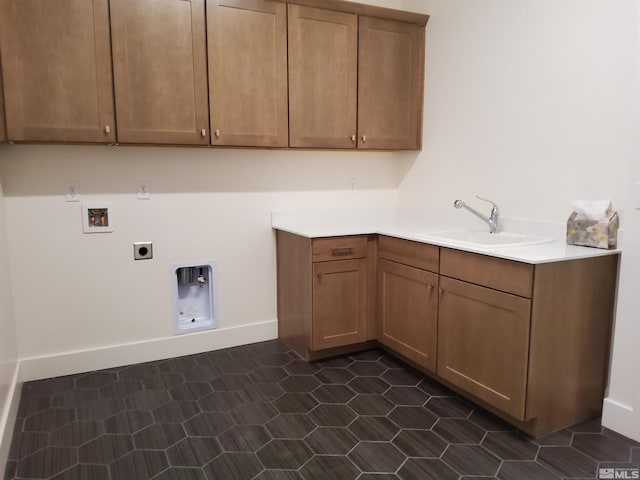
(56, 61)
(390, 79)
(483, 343)
(322, 78)
(248, 72)
(3, 129)
(160, 71)
(408, 309)
(339, 303)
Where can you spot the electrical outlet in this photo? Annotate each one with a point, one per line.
(143, 190)
(142, 251)
(72, 191)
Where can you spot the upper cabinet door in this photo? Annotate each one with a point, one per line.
(248, 72)
(57, 70)
(160, 71)
(322, 78)
(391, 78)
(3, 126)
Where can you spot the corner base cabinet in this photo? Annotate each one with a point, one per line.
(528, 342)
(325, 290)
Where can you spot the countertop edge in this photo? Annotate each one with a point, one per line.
(534, 254)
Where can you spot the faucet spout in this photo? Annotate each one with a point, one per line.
(492, 219)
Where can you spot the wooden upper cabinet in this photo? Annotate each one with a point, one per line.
(390, 84)
(160, 71)
(57, 70)
(323, 72)
(3, 129)
(247, 42)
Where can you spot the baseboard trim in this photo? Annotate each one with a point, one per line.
(68, 363)
(8, 418)
(618, 417)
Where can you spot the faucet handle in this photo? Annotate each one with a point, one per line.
(487, 200)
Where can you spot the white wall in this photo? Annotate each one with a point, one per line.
(8, 351)
(76, 292)
(533, 103)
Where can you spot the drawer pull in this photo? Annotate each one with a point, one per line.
(342, 252)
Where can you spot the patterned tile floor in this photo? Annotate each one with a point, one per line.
(259, 412)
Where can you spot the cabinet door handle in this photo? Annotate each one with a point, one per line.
(441, 291)
(364, 139)
(319, 278)
(203, 132)
(217, 132)
(341, 252)
(353, 138)
(430, 287)
(107, 129)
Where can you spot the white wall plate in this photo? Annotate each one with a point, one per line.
(97, 217)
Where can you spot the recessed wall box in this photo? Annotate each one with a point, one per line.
(97, 218)
(193, 289)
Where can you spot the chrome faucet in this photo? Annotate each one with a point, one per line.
(492, 219)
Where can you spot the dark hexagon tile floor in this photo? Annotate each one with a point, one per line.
(259, 412)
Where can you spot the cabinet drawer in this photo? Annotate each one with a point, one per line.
(497, 273)
(415, 254)
(339, 248)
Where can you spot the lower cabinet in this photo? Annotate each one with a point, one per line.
(483, 343)
(408, 311)
(339, 303)
(528, 342)
(326, 292)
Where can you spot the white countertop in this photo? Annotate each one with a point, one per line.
(412, 225)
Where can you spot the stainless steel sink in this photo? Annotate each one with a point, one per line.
(485, 240)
